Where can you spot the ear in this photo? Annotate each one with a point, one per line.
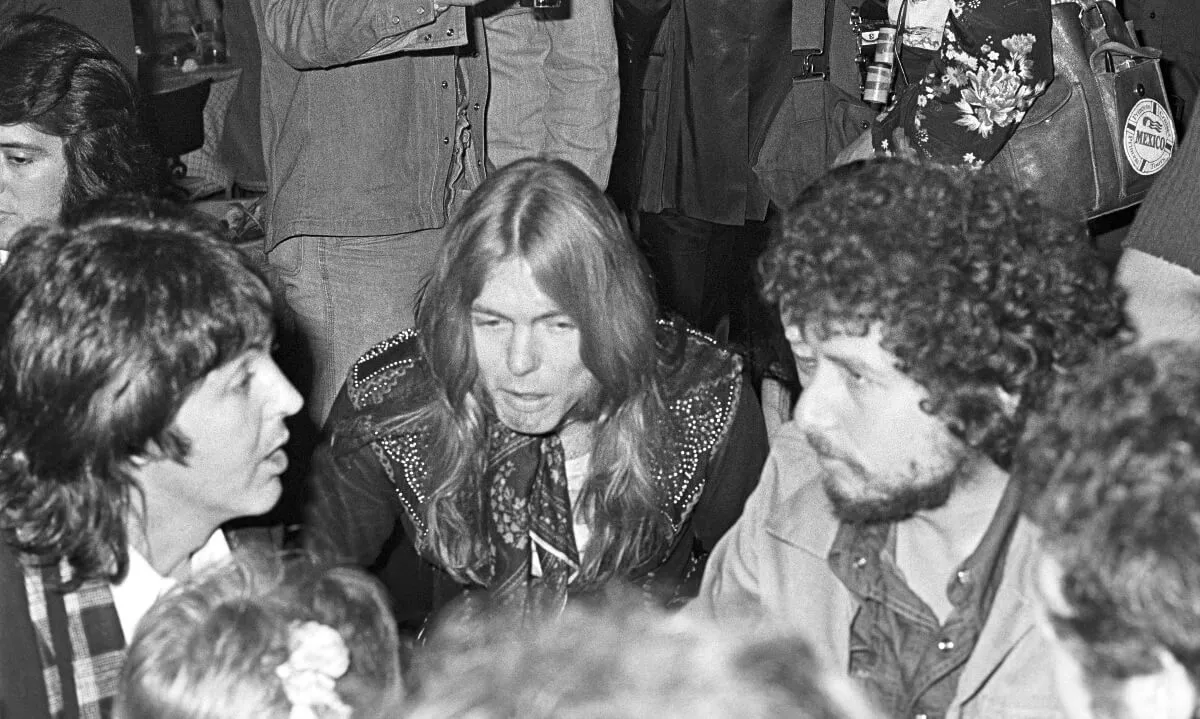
(1167, 693)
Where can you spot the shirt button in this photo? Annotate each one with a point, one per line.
(427, 37)
(445, 141)
(860, 562)
(963, 576)
(396, 18)
(420, 11)
(445, 84)
(449, 31)
(475, 106)
(945, 645)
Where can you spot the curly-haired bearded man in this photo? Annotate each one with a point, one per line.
(930, 311)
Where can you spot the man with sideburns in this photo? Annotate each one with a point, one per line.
(930, 311)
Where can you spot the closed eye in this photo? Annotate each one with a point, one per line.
(486, 321)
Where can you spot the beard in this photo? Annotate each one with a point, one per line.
(898, 497)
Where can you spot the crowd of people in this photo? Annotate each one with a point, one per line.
(546, 485)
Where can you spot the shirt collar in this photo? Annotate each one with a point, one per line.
(142, 585)
(854, 546)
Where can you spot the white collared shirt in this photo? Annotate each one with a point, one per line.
(577, 471)
(142, 585)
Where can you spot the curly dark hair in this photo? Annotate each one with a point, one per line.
(108, 321)
(975, 285)
(1115, 460)
(63, 82)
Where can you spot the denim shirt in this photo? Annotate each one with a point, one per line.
(360, 105)
(772, 567)
(908, 660)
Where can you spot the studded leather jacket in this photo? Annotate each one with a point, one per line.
(369, 484)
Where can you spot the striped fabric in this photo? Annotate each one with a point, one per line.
(79, 639)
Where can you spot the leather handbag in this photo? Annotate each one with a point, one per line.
(1093, 143)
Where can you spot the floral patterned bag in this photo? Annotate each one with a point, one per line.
(1093, 143)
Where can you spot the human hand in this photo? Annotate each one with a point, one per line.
(901, 147)
(861, 148)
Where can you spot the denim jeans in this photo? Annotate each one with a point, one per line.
(347, 293)
(554, 87)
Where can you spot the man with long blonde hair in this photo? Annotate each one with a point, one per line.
(540, 432)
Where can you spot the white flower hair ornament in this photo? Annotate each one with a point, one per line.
(317, 657)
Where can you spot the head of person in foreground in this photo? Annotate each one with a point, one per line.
(266, 638)
(1116, 455)
(619, 658)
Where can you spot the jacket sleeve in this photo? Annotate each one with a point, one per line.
(996, 58)
(352, 508)
(22, 687)
(733, 472)
(730, 589)
(323, 33)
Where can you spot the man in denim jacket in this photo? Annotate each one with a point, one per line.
(372, 117)
(931, 310)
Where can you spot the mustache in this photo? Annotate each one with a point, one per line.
(827, 449)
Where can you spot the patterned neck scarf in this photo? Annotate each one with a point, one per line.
(532, 536)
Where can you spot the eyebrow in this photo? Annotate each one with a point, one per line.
(23, 146)
(854, 365)
(494, 313)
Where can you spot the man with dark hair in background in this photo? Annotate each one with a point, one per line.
(930, 311)
(140, 410)
(69, 124)
(1116, 452)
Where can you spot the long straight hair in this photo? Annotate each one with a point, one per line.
(549, 214)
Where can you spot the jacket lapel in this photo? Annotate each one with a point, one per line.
(1011, 617)
(815, 601)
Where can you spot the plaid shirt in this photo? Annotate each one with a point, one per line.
(79, 639)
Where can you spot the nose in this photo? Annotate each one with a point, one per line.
(286, 399)
(815, 408)
(524, 355)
